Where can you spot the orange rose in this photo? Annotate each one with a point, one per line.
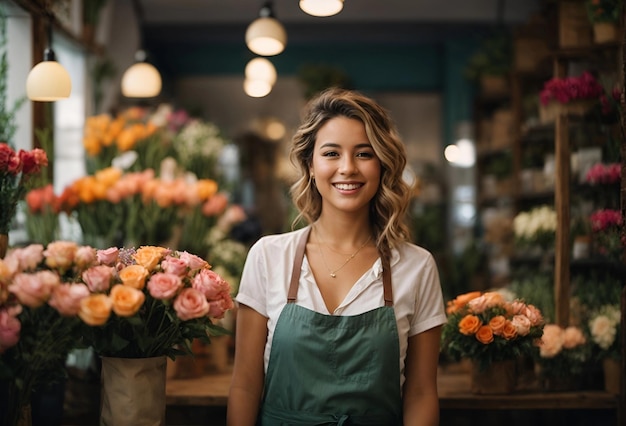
(484, 335)
(95, 309)
(469, 325)
(509, 331)
(126, 300)
(497, 324)
(134, 276)
(149, 256)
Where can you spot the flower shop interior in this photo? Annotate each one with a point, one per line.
(159, 127)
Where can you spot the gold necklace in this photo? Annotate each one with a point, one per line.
(332, 273)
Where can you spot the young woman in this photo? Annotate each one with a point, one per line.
(339, 322)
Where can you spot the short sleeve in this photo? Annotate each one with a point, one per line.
(252, 286)
(429, 306)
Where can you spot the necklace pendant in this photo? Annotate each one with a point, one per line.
(333, 275)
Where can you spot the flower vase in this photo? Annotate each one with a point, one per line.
(498, 378)
(612, 375)
(133, 391)
(4, 245)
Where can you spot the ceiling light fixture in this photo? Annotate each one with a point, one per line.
(261, 69)
(142, 79)
(321, 8)
(48, 81)
(266, 36)
(256, 88)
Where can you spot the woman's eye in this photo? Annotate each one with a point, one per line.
(329, 154)
(365, 155)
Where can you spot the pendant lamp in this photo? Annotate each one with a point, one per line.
(321, 7)
(141, 80)
(266, 36)
(48, 81)
(261, 69)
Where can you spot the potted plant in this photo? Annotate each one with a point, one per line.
(577, 94)
(491, 63)
(604, 16)
(493, 333)
(604, 331)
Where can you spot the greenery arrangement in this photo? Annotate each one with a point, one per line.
(493, 57)
(603, 10)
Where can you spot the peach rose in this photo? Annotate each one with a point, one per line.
(33, 290)
(469, 325)
(108, 256)
(484, 335)
(551, 341)
(126, 300)
(66, 298)
(98, 278)
(10, 328)
(134, 276)
(85, 257)
(95, 309)
(191, 304)
(60, 254)
(460, 301)
(149, 256)
(164, 286)
(174, 265)
(210, 284)
(29, 257)
(522, 324)
(487, 300)
(497, 324)
(509, 331)
(572, 337)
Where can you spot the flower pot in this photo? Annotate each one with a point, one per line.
(497, 378)
(605, 32)
(133, 391)
(612, 375)
(550, 112)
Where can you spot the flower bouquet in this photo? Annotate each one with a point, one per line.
(561, 357)
(536, 229)
(198, 147)
(573, 95)
(42, 214)
(606, 228)
(604, 331)
(486, 328)
(16, 169)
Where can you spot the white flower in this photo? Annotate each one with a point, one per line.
(603, 327)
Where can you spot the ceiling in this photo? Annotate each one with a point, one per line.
(360, 20)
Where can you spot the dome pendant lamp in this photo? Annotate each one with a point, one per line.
(266, 36)
(48, 81)
(321, 7)
(141, 80)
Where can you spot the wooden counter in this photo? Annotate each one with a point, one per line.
(454, 393)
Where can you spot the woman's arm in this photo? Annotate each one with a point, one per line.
(420, 397)
(248, 372)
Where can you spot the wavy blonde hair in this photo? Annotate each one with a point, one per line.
(388, 208)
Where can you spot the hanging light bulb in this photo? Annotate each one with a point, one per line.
(256, 88)
(321, 7)
(48, 80)
(266, 36)
(261, 69)
(141, 80)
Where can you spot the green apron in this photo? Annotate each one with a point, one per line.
(333, 370)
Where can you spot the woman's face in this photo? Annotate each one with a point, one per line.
(346, 170)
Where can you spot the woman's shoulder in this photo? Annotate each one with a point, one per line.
(409, 249)
(278, 241)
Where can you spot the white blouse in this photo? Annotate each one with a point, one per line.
(417, 295)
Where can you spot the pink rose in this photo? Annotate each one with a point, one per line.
(174, 265)
(66, 298)
(164, 286)
(107, 256)
(193, 262)
(219, 306)
(191, 304)
(487, 300)
(85, 257)
(29, 257)
(534, 315)
(60, 254)
(551, 341)
(33, 290)
(210, 284)
(10, 328)
(98, 278)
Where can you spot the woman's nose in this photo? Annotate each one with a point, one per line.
(348, 166)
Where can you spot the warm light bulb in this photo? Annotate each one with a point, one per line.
(261, 69)
(141, 80)
(266, 36)
(321, 7)
(256, 88)
(48, 81)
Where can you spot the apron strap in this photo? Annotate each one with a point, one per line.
(297, 266)
(295, 273)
